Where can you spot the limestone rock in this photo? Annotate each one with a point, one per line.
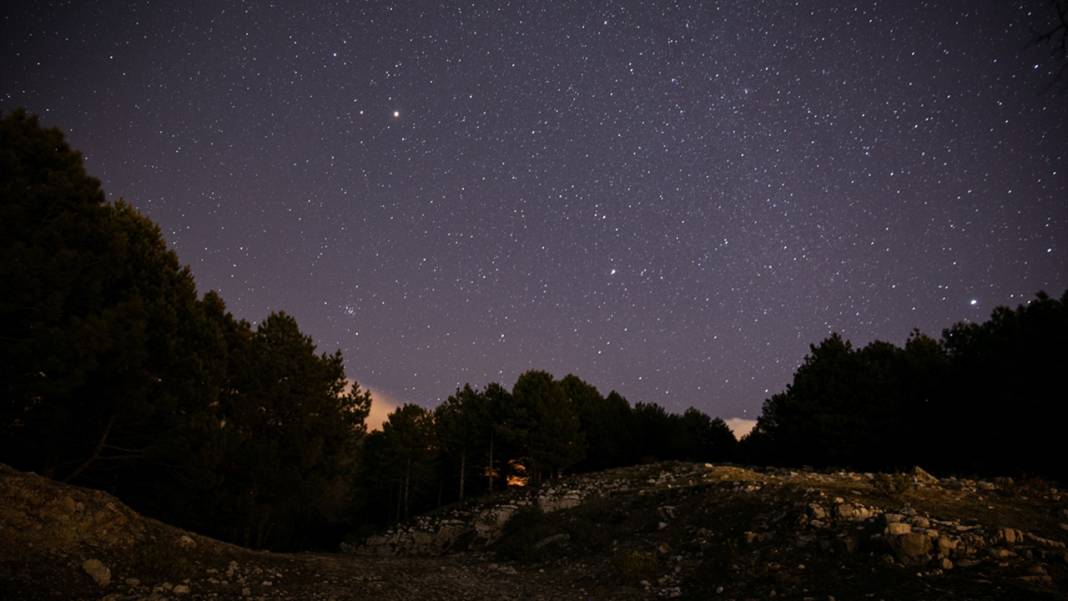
(912, 547)
(98, 571)
(921, 476)
(898, 528)
(817, 511)
(1010, 535)
(947, 545)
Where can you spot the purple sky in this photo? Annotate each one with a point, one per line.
(669, 199)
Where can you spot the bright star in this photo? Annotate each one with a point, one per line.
(396, 114)
(973, 302)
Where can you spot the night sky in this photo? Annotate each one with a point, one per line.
(669, 199)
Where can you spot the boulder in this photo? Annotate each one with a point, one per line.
(947, 545)
(898, 528)
(1010, 535)
(913, 547)
(921, 476)
(98, 571)
(817, 511)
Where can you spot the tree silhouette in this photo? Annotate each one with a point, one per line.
(556, 441)
(116, 375)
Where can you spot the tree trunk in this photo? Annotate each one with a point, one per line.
(489, 471)
(463, 469)
(96, 452)
(407, 483)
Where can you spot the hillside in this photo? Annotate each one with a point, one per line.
(678, 530)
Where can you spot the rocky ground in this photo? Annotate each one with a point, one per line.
(686, 531)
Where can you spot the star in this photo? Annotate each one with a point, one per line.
(754, 203)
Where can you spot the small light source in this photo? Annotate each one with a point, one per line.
(396, 114)
(973, 302)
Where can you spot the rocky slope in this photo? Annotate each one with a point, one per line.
(677, 530)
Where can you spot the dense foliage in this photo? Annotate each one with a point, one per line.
(116, 375)
(988, 398)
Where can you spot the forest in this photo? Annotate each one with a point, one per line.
(118, 374)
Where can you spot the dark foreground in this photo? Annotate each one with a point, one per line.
(685, 531)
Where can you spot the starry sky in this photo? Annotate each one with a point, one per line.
(670, 199)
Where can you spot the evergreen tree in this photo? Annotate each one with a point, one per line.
(654, 433)
(604, 421)
(401, 463)
(105, 348)
(114, 374)
(298, 432)
(465, 427)
(703, 438)
(555, 442)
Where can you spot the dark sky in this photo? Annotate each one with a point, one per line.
(670, 199)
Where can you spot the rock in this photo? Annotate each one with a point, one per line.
(947, 564)
(1046, 542)
(133, 582)
(921, 476)
(912, 547)
(98, 571)
(947, 545)
(186, 542)
(850, 511)
(898, 528)
(1010, 535)
(181, 589)
(817, 511)
(673, 592)
(850, 545)
(556, 538)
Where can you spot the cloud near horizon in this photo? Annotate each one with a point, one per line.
(740, 426)
(382, 404)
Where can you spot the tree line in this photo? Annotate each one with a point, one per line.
(480, 440)
(115, 373)
(986, 399)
